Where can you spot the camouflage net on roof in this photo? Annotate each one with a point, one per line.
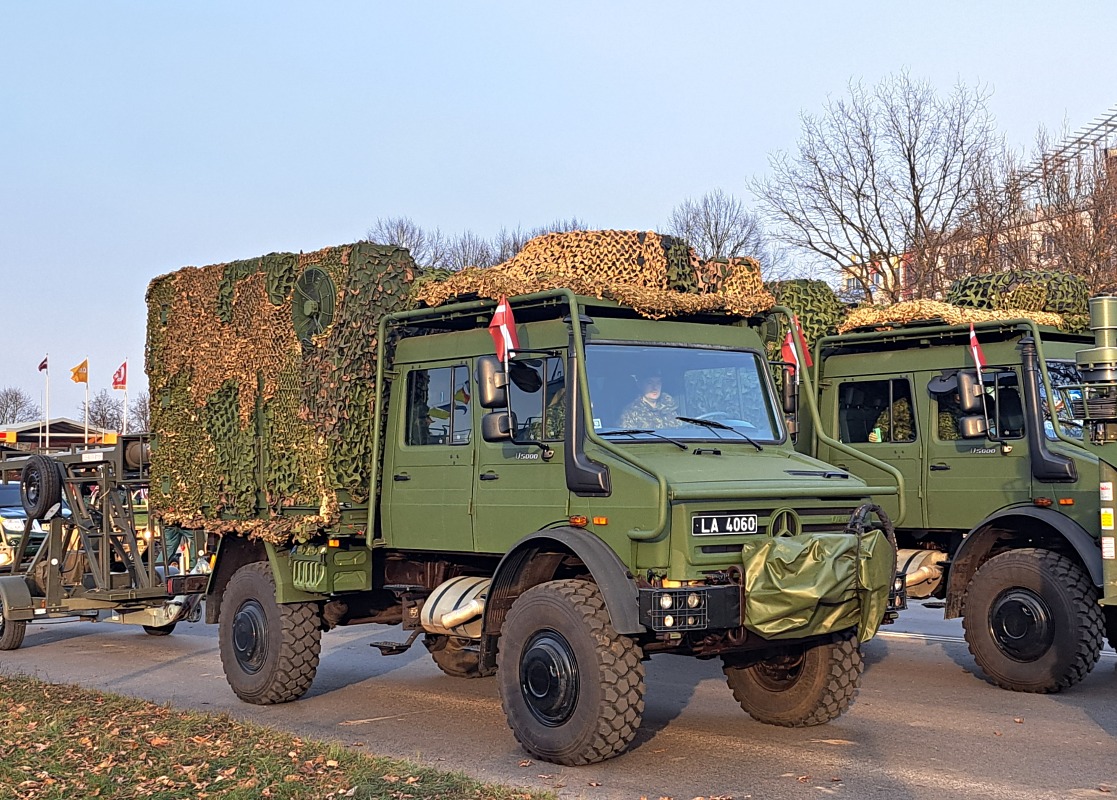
(933, 310)
(1029, 290)
(656, 275)
(261, 402)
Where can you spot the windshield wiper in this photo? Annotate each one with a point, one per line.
(634, 431)
(715, 426)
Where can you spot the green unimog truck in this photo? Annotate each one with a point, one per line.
(367, 461)
(1008, 474)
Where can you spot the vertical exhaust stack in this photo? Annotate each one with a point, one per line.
(1098, 367)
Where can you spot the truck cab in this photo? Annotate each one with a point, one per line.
(1003, 491)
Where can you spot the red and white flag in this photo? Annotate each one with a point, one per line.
(503, 330)
(787, 352)
(43, 364)
(978, 356)
(120, 377)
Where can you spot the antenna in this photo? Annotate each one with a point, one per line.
(1102, 129)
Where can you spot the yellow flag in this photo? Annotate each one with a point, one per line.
(80, 373)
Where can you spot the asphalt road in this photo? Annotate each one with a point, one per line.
(923, 726)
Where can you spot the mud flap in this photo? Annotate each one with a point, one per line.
(797, 586)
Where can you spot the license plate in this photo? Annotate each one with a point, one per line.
(721, 524)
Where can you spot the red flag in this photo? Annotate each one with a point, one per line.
(43, 364)
(120, 377)
(978, 356)
(503, 330)
(788, 349)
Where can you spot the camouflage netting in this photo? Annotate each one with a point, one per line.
(1048, 298)
(930, 310)
(1028, 290)
(262, 386)
(656, 275)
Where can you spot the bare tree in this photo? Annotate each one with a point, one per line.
(429, 248)
(467, 249)
(16, 406)
(104, 411)
(139, 415)
(1075, 212)
(881, 183)
(717, 225)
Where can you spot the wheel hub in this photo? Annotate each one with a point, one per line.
(1021, 624)
(250, 641)
(780, 673)
(549, 678)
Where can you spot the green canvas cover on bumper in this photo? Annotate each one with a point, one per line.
(811, 584)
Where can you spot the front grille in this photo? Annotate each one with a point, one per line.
(308, 576)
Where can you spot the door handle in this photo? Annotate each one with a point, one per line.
(489, 476)
(939, 467)
(402, 476)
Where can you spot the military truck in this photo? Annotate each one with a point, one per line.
(93, 561)
(364, 460)
(1008, 475)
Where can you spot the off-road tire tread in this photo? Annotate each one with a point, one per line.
(300, 647)
(450, 666)
(622, 674)
(160, 630)
(12, 632)
(1085, 599)
(845, 667)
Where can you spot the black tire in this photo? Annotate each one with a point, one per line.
(1032, 621)
(11, 632)
(1110, 614)
(803, 686)
(571, 687)
(40, 486)
(457, 657)
(159, 630)
(269, 651)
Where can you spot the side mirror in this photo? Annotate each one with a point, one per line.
(790, 390)
(497, 426)
(492, 385)
(969, 390)
(972, 427)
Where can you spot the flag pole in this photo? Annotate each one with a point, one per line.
(87, 400)
(124, 429)
(46, 403)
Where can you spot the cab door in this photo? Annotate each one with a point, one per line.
(968, 478)
(518, 489)
(882, 418)
(428, 475)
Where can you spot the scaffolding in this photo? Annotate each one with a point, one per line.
(1097, 133)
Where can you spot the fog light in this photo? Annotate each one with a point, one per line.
(693, 600)
(690, 621)
(666, 601)
(669, 621)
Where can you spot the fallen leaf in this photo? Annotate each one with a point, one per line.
(803, 778)
(526, 762)
(1018, 720)
(997, 733)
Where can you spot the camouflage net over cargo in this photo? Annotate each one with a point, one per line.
(656, 275)
(262, 375)
(932, 310)
(1028, 290)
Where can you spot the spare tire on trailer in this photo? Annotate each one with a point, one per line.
(40, 486)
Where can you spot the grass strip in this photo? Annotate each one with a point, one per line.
(61, 741)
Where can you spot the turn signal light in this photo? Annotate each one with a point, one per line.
(1042, 502)
(600, 520)
(579, 521)
(1066, 501)
(334, 542)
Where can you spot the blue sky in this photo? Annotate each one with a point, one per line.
(136, 138)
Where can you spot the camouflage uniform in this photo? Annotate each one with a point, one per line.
(901, 415)
(905, 428)
(642, 414)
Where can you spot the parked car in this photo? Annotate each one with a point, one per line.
(13, 523)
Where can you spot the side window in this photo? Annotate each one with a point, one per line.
(537, 398)
(438, 406)
(1003, 406)
(876, 411)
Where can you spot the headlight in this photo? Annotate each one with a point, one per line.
(14, 525)
(666, 601)
(693, 600)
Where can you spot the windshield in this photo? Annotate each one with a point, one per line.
(9, 496)
(647, 388)
(1065, 382)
